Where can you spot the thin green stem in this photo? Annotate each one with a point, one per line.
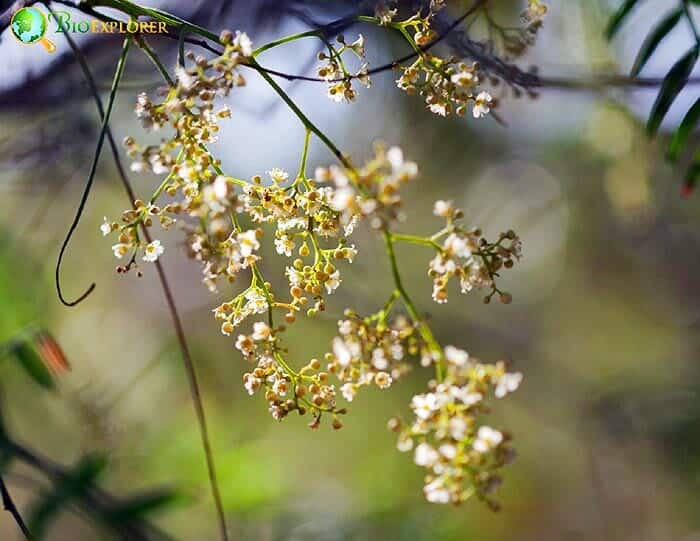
(166, 180)
(424, 329)
(286, 39)
(301, 116)
(415, 239)
(301, 175)
(153, 57)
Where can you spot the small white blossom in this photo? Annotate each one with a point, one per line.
(153, 251)
(106, 227)
(425, 455)
(261, 331)
(284, 245)
(120, 250)
(508, 383)
(487, 438)
(278, 175)
(482, 105)
(333, 282)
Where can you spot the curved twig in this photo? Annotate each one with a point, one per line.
(190, 369)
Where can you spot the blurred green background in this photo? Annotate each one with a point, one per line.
(603, 324)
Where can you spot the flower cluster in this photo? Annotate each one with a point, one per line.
(371, 191)
(468, 256)
(187, 108)
(462, 455)
(446, 85)
(372, 351)
(308, 223)
(129, 240)
(516, 41)
(284, 389)
(333, 69)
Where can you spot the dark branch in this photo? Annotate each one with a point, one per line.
(11, 508)
(190, 369)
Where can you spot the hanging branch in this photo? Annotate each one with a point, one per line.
(11, 508)
(508, 72)
(190, 369)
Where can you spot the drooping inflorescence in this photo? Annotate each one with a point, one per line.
(308, 222)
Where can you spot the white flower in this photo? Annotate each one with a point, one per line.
(243, 43)
(260, 331)
(399, 167)
(343, 198)
(425, 455)
(153, 251)
(251, 383)
(439, 108)
(482, 105)
(457, 427)
(379, 360)
(486, 439)
(120, 250)
(348, 390)
(404, 443)
(244, 344)
(467, 397)
(456, 356)
(248, 242)
(383, 380)
(349, 251)
(341, 352)
(257, 303)
(435, 492)
(448, 450)
(358, 46)
(508, 383)
(221, 188)
(465, 77)
(424, 405)
(444, 209)
(106, 227)
(333, 282)
(278, 175)
(456, 245)
(184, 78)
(284, 245)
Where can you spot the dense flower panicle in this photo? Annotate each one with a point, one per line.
(285, 390)
(371, 351)
(462, 455)
(333, 69)
(448, 86)
(371, 191)
(308, 222)
(466, 255)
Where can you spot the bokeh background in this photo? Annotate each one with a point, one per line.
(603, 324)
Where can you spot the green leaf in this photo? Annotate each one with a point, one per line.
(618, 18)
(683, 132)
(672, 84)
(71, 487)
(32, 363)
(657, 34)
(137, 507)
